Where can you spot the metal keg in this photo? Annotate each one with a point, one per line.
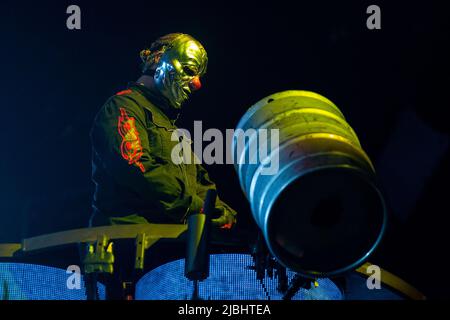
(312, 191)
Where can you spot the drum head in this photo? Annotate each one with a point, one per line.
(230, 279)
(22, 281)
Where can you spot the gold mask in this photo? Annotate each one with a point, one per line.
(179, 69)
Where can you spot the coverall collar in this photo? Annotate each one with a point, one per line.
(157, 99)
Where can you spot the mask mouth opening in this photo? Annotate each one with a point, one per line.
(186, 90)
(180, 94)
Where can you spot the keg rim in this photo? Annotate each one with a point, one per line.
(277, 251)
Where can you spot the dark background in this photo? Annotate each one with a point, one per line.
(391, 84)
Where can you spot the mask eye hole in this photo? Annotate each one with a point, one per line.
(189, 71)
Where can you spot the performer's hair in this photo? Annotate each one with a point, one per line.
(151, 55)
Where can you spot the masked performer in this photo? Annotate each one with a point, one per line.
(135, 178)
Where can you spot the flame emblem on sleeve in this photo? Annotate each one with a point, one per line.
(130, 147)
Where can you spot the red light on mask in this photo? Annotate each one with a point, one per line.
(195, 84)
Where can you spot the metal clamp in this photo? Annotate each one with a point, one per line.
(99, 257)
(142, 243)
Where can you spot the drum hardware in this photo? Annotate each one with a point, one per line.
(264, 263)
(195, 295)
(282, 279)
(260, 257)
(99, 259)
(298, 282)
(41, 250)
(129, 288)
(394, 282)
(197, 243)
(97, 255)
(85, 235)
(9, 250)
(99, 263)
(143, 242)
(91, 287)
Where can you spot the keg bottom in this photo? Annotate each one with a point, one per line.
(326, 222)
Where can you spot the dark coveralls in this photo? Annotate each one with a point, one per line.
(135, 178)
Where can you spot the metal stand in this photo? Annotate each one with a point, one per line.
(98, 264)
(99, 259)
(195, 295)
(197, 244)
(296, 284)
(264, 264)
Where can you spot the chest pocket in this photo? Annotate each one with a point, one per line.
(160, 132)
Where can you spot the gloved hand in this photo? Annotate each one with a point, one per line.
(226, 219)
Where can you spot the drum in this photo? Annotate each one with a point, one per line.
(24, 281)
(231, 277)
(36, 269)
